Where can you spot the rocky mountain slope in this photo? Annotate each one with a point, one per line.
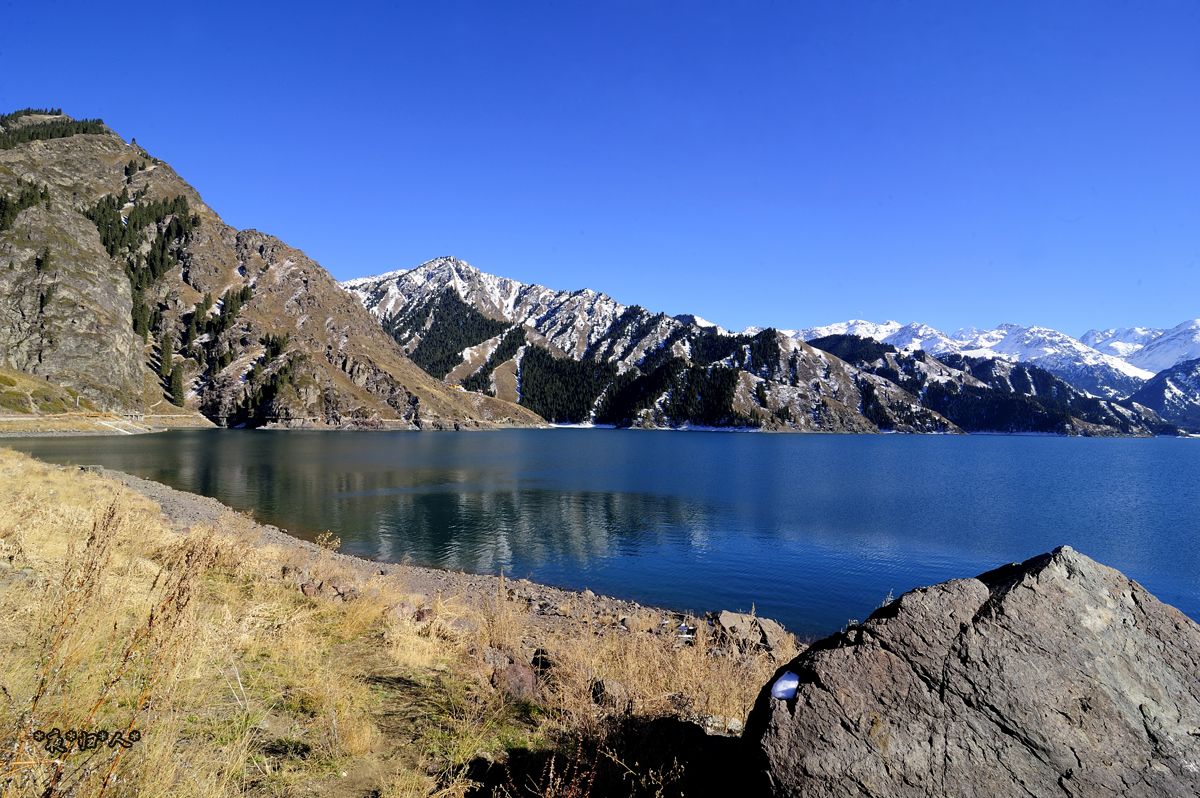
(582, 357)
(1174, 394)
(117, 255)
(995, 395)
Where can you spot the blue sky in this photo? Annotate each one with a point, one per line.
(785, 164)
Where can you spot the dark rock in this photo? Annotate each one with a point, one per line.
(517, 680)
(543, 662)
(1057, 676)
(422, 615)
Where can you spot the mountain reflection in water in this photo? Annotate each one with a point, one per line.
(811, 529)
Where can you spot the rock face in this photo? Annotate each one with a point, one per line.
(1054, 677)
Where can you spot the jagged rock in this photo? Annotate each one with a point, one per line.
(1057, 676)
(310, 590)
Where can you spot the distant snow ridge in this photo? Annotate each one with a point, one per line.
(1108, 363)
(1122, 342)
(1174, 346)
(1058, 353)
(858, 327)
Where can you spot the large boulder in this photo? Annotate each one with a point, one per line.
(1054, 677)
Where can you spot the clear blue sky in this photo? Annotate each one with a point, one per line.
(785, 164)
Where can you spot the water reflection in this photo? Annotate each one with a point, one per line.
(813, 530)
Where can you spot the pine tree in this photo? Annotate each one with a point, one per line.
(165, 367)
(177, 386)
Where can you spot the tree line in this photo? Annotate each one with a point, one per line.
(43, 131)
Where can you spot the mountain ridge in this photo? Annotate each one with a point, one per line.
(613, 355)
(180, 307)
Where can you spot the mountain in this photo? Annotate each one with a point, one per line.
(994, 395)
(1148, 348)
(119, 283)
(582, 357)
(1174, 346)
(1175, 394)
(866, 329)
(1122, 342)
(1060, 354)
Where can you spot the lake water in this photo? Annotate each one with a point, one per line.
(810, 529)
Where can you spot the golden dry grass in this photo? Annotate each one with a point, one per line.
(241, 685)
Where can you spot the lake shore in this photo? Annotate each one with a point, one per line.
(552, 610)
(278, 666)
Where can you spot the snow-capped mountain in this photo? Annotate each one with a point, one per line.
(865, 329)
(1122, 342)
(571, 320)
(688, 318)
(631, 366)
(1174, 346)
(1056, 352)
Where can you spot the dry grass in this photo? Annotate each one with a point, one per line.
(241, 685)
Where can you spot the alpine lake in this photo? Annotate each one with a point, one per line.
(812, 530)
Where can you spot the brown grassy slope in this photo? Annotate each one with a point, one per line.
(346, 367)
(25, 395)
(240, 685)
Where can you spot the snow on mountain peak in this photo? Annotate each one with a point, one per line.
(1180, 343)
(866, 329)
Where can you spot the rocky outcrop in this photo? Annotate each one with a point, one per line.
(1054, 677)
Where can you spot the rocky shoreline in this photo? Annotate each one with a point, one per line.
(551, 609)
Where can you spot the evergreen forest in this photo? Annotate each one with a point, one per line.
(28, 195)
(122, 236)
(457, 326)
(54, 129)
